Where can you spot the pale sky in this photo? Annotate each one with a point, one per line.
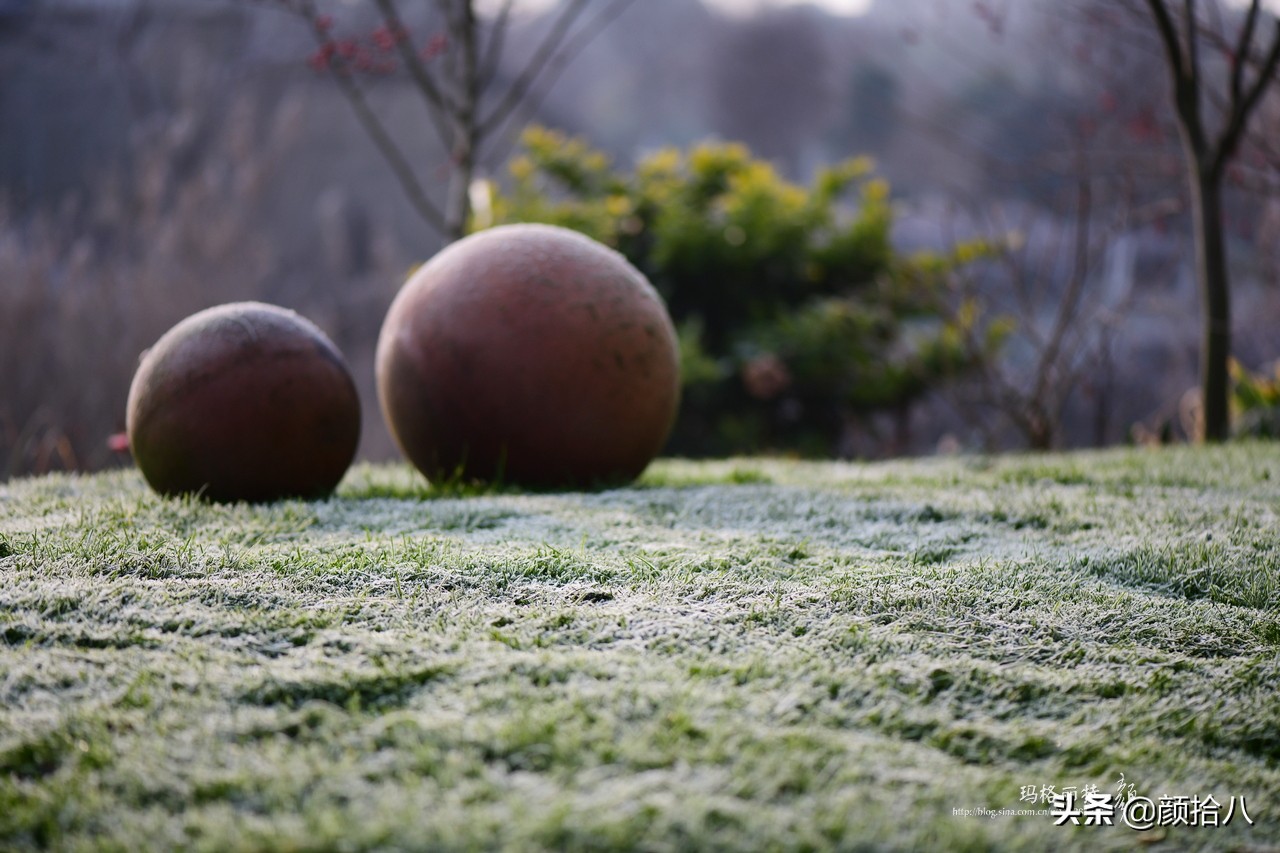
(733, 7)
(841, 7)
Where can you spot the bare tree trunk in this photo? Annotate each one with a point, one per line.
(1215, 294)
(1040, 433)
(1207, 160)
(464, 34)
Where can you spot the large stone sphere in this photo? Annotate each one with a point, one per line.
(531, 355)
(243, 402)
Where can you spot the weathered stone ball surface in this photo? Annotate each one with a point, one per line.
(243, 402)
(529, 354)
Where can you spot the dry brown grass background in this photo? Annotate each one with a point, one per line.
(89, 285)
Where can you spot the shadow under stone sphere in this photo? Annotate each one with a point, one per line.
(532, 355)
(243, 402)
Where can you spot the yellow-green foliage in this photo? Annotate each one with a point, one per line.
(754, 266)
(1255, 401)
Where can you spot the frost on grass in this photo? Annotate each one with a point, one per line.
(748, 653)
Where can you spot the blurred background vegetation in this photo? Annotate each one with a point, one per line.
(931, 226)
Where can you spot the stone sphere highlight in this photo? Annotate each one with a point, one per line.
(530, 355)
(243, 402)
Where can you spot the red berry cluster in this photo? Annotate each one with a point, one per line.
(367, 54)
(435, 46)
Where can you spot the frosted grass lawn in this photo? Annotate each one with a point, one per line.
(736, 655)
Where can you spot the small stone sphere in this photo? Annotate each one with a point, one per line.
(243, 402)
(529, 355)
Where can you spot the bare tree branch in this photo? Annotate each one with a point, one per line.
(1243, 109)
(1169, 37)
(497, 38)
(1243, 46)
(541, 56)
(572, 48)
(418, 71)
(1219, 27)
(1193, 44)
(374, 127)
(1075, 288)
(452, 89)
(1186, 75)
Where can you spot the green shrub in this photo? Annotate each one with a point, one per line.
(796, 315)
(1255, 402)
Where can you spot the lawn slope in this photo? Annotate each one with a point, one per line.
(738, 655)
